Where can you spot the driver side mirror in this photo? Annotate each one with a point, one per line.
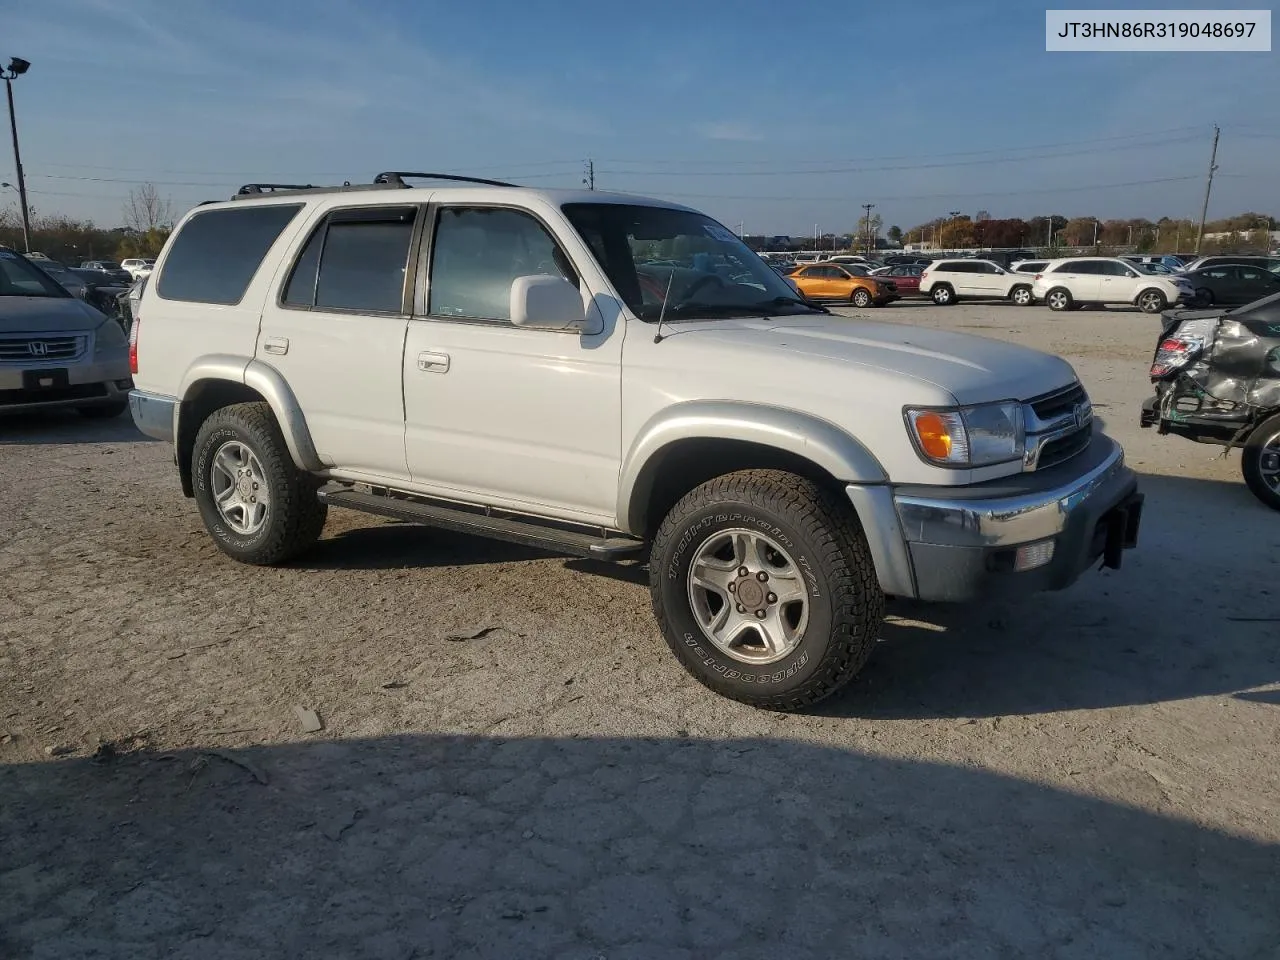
(546, 303)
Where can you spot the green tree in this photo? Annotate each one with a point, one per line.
(895, 234)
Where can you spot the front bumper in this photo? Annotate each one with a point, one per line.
(961, 543)
(100, 381)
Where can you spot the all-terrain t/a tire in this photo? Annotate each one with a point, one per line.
(765, 589)
(258, 506)
(1260, 462)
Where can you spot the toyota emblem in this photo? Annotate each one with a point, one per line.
(38, 348)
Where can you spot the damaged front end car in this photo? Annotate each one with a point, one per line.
(1217, 380)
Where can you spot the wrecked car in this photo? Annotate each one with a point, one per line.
(1217, 379)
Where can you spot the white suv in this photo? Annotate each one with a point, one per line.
(948, 281)
(138, 267)
(619, 378)
(1072, 282)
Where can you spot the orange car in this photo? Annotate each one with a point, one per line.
(843, 281)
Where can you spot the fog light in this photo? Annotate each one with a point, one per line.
(1032, 555)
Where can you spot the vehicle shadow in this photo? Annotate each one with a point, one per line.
(67, 427)
(391, 544)
(1193, 612)
(473, 847)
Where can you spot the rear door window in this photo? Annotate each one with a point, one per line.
(355, 260)
(216, 253)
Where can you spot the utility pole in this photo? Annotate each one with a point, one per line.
(1213, 165)
(17, 67)
(868, 207)
(590, 178)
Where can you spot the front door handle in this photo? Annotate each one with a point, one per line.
(430, 362)
(276, 345)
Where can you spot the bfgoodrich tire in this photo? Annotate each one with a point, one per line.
(256, 504)
(765, 589)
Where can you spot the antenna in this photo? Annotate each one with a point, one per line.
(657, 337)
(589, 181)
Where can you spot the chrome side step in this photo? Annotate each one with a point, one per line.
(530, 533)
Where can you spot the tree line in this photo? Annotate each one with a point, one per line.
(147, 221)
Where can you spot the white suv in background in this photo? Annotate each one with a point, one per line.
(138, 267)
(950, 280)
(1072, 282)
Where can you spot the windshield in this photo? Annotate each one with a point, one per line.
(696, 266)
(18, 278)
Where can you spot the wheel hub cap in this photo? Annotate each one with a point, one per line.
(239, 487)
(748, 596)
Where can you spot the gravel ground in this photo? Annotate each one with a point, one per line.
(1089, 773)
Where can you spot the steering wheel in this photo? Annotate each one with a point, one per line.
(701, 282)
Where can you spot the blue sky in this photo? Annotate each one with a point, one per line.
(773, 115)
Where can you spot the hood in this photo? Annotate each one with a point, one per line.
(47, 315)
(972, 369)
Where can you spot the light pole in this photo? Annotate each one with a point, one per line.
(953, 215)
(17, 67)
(1095, 234)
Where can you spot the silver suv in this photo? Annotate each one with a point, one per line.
(55, 349)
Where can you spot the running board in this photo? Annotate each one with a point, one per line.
(526, 532)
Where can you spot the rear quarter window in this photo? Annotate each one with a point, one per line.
(216, 253)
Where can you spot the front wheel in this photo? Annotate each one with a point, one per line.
(259, 507)
(1021, 296)
(943, 295)
(1058, 300)
(1152, 301)
(861, 298)
(1204, 297)
(765, 589)
(1260, 463)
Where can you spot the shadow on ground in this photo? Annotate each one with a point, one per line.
(1193, 612)
(469, 847)
(67, 427)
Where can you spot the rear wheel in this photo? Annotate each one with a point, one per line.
(1021, 296)
(258, 506)
(1152, 301)
(765, 589)
(943, 295)
(861, 298)
(1260, 463)
(1058, 299)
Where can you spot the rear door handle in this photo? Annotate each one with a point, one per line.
(430, 362)
(276, 345)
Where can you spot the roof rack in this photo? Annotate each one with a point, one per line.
(256, 191)
(397, 178)
(252, 188)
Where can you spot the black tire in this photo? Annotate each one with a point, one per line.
(845, 602)
(106, 411)
(861, 298)
(1151, 301)
(1204, 297)
(1059, 300)
(1261, 458)
(295, 515)
(1021, 295)
(943, 295)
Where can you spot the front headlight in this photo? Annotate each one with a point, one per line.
(975, 436)
(110, 336)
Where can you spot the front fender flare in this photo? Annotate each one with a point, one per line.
(819, 441)
(272, 386)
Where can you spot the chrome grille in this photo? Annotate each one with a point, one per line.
(1059, 426)
(30, 349)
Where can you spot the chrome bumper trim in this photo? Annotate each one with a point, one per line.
(1004, 521)
(153, 414)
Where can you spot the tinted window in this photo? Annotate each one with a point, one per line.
(952, 266)
(1216, 273)
(1113, 269)
(1252, 274)
(216, 253)
(990, 268)
(362, 261)
(301, 289)
(478, 252)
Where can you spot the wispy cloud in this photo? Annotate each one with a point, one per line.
(729, 130)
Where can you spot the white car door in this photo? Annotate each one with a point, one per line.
(335, 330)
(1117, 282)
(1080, 277)
(499, 414)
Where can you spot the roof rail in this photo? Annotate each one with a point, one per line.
(397, 178)
(252, 188)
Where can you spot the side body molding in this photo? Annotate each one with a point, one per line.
(819, 441)
(267, 381)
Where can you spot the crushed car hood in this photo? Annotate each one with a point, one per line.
(972, 369)
(47, 315)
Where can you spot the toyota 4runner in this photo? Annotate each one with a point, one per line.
(614, 377)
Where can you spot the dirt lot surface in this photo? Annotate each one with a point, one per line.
(1090, 773)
